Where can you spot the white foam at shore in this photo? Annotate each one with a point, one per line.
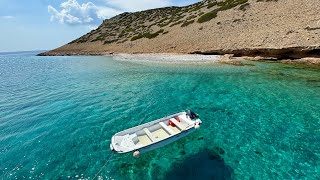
(169, 58)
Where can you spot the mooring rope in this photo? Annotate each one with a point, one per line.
(103, 166)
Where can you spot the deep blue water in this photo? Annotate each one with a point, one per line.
(57, 115)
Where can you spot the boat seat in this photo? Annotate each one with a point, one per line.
(187, 120)
(178, 124)
(149, 134)
(165, 127)
(134, 138)
(127, 141)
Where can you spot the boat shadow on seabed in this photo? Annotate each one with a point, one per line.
(206, 164)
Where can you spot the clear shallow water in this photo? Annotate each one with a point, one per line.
(57, 115)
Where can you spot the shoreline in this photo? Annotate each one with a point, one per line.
(294, 52)
(231, 59)
(177, 58)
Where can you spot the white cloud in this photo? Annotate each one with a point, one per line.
(106, 12)
(138, 5)
(92, 28)
(88, 13)
(73, 13)
(7, 17)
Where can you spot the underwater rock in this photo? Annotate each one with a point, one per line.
(220, 150)
(183, 152)
(125, 165)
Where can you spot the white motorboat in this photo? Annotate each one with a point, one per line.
(155, 134)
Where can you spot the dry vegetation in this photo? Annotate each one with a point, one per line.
(151, 23)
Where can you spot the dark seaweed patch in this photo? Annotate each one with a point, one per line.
(203, 165)
(219, 150)
(183, 152)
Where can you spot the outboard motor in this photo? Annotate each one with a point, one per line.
(191, 114)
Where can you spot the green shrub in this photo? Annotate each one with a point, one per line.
(153, 35)
(99, 38)
(150, 35)
(128, 29)
(160, 31)
(177, 18)
(165, 24)
(187, 23)
(82, 41)
(137, 37)
(162, 20)
(207, 16)
(191, 17)
(224, 5)
(210, 5)
(110, 41)
(152, 25)
(147, 35)
(228, 4)
(123, 33)
(196, 8)
(176, 23)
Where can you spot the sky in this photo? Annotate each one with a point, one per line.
(27, 25)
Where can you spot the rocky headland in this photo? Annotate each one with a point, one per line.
(260, 29)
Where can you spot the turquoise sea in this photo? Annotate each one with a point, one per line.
(57, 115)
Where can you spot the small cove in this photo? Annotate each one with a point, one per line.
(57, 115)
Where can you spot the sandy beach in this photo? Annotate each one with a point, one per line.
(169, 58)
(176, 58)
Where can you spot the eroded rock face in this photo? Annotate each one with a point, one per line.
(283, 53)
(274, 28)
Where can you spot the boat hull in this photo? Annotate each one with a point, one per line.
(155, 134)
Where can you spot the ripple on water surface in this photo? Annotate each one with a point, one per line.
(260, 121)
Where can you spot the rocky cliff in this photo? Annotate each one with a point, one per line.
(269, 28)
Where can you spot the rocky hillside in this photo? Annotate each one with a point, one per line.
(273, 28)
